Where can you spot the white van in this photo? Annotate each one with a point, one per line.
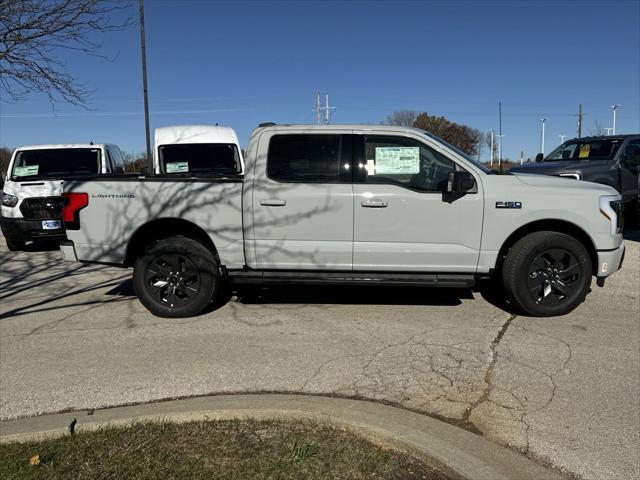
(197, 151)
(31, 195)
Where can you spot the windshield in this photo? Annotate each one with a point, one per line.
(201, 159)
(461, 153)
(582, 149)
(56, 163)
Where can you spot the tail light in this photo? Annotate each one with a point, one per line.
(73, 203)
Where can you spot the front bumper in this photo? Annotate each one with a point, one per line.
(610, 261)
(23, 230)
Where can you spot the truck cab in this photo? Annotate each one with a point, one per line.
(197, 150)
(31, 195)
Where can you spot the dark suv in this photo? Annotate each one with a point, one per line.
(610, 160)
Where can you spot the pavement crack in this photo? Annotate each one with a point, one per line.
(488, 374)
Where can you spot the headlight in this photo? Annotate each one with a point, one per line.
(611, 207)
(576, 175)
(9, 200)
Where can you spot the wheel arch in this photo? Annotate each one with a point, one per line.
(162, 228)
(552, 225)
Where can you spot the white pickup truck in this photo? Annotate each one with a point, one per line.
(348, 205)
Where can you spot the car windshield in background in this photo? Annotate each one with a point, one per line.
(461, 153)
(597, 149)
(200, 159)
(56, 163)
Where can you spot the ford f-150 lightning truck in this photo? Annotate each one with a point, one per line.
(347, 204)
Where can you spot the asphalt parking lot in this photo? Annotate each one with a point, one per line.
(564, 390)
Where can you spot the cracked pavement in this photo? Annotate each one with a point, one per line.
(563, 390)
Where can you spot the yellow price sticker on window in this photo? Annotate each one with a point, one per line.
(584, 150)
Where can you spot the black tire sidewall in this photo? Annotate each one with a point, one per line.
(518, 278)
(202, 259)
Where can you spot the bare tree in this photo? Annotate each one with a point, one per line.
(5, 158)
(34, 32)
(135, 162)
(402, 118)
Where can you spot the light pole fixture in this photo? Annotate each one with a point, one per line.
(614, 108)
(542, 120)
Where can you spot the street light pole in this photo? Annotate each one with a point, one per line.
(614, 108)
(542, 136)
(144, 87)
(491, 157)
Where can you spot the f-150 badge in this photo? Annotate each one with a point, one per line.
(508, 204)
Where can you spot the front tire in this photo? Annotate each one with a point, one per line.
(547, 274)
(176, 277)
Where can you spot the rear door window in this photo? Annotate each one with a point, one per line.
(200, 159)
(56, 163)
(309, 158)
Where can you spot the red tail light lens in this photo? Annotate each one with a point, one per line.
(73, 203)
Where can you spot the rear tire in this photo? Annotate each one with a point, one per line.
(547, 274)
(15, 245)
(176, 277)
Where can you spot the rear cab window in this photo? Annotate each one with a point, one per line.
(55, 163)
(200, 159)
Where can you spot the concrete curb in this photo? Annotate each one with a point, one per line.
(456, 451)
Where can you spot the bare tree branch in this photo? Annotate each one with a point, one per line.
(34, 32)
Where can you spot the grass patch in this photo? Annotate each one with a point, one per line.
(233, 449)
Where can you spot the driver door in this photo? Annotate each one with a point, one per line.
(402, 219)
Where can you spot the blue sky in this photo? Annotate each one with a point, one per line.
(242, 63)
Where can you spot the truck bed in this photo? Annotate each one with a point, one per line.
(120, 205)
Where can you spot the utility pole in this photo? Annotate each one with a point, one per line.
(561, 139)
(327, 109)
(542, 136)
(521, 157)
(318, 108)
(580, 121)
(614, 108)
(491, 157)
(144, 87)
(500, 137)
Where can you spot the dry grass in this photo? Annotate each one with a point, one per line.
(235, 449)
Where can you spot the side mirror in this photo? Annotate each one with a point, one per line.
(460, 181)
(539, 157)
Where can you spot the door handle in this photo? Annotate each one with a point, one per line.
(273, 203)
(374, 203)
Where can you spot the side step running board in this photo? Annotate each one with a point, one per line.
(449, 280)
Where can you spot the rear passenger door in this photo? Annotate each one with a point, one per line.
(403, 220)
(303, 201)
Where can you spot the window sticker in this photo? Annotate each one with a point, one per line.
(584, 150)
(26, 171)
(397, 160)
(178, 167)
(371, 167)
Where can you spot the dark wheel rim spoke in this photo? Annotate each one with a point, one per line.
(553, 277)
(173, 280)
